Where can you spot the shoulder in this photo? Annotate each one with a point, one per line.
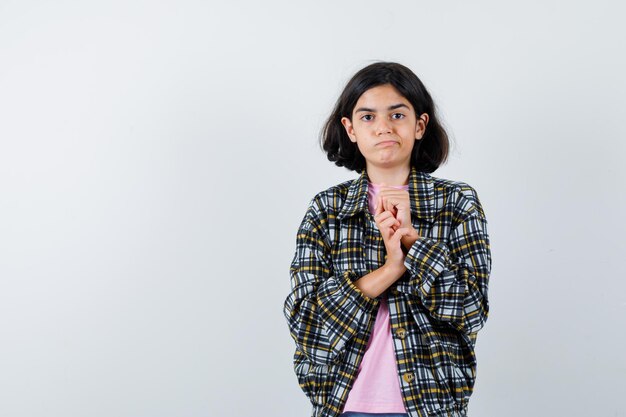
(331, 198)
(325, 204)
(460, 194)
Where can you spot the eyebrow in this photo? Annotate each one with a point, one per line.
(395, 106)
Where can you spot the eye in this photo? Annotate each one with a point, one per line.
(367, 117)
(397, 116)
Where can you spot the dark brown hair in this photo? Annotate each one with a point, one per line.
(428, 153)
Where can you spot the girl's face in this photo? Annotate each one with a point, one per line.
(384, 127)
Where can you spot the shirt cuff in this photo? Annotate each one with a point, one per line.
(356, 295)
(425, 260)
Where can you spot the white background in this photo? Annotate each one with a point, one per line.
(157, 157)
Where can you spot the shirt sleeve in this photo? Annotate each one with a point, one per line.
(323, 310)
(452, 279)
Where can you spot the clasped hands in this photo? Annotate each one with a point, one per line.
(393, 218)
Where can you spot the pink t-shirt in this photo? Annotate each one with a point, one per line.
(377, 386)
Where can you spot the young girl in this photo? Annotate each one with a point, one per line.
(390, 274)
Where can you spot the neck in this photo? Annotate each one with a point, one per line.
(389, 176)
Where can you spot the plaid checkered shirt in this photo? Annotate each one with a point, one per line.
(436, 307)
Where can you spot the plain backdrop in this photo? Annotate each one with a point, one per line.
(157, 157)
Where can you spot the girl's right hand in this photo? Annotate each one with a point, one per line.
(384, 221)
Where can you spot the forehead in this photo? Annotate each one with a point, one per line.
(382, 96)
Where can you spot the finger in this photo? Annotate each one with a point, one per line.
(396, 223)
(392, 203)
(387, 232)
(382, 216)
(388, 229)
(403, 231)
(385, 202)
(388, 215)
(388, 222)
(380, 209)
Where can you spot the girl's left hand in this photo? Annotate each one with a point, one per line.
(397, 202)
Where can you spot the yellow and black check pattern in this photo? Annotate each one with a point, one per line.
(436, 308)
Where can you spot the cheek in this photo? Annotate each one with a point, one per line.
(410, 145)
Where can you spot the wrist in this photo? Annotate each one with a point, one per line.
(396, 270)
(410, 239)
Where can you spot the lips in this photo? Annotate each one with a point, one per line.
(386, 143)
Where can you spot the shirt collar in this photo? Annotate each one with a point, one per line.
(421, 193)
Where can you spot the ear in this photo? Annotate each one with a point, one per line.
(420, 126)
(347, 124)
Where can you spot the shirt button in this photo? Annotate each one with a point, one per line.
(408, 377)
(400, 332)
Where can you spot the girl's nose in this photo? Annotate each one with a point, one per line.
(383, 127)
